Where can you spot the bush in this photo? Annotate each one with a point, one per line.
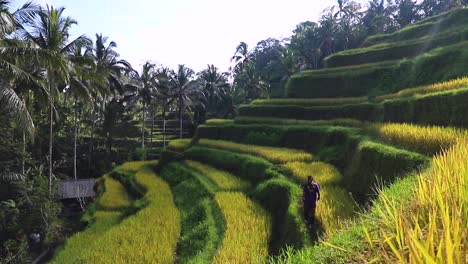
(138, 154)
(261, 138)
(437, 65)
(250, 168)
(179, 145)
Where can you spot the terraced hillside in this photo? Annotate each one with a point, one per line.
(390, 157)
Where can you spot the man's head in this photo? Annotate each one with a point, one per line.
(310, 179)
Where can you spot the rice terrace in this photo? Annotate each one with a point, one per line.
(343, 141)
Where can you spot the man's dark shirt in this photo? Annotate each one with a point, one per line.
(310, 193)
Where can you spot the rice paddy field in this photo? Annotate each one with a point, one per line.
(393, 189)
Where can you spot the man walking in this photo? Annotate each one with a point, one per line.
(311, 194)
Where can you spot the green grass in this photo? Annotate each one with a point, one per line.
(272, 154)
(223, 179)
(218, 121)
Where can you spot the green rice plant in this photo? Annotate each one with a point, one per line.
(115, 195)
(282, 198)
(218, 121)
(425, 139)
(311, 101)
(223, 179)
(134, 240)
(248, 230)
(273, 154)
(247, 167)
(323, 173)
(291, 122)
(432, 227)
(202, 223)
(179, 145)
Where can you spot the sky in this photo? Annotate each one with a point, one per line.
(194, 33)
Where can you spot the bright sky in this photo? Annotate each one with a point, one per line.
(190, 32)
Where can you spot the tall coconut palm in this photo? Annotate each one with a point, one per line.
(214, 85)
(185, 88)
(50, 30)
(165, 95)
(109, 70)
(142, 88)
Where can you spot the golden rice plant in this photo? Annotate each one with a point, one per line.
(115, 195)
(82, 241)
(432, 88)
(134, 166)
(248, 230)
(219, 121)
(291, 122)
(179, 145)
(149, 236)
(223, 179)
(425, 139)
(335, 207)
(433, 227)
(323, 173)
(273, 154)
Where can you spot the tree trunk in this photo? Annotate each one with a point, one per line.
(75, 139)
(51, 137)
(152, 126)
(143, 129)
(24, 154)
(164, 127)
(181, 113)
(91, 141)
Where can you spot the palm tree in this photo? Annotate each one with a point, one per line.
(165, 95)
(109, 71)
(242, 56)
(214, 85)
(185, 87)
(142, 88)
(49, 30)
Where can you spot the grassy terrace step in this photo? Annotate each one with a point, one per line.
(379, 78)
(202, 224)
(222, 179)
(359, 158)
(453, 84)
(347, 122)
(398, 50)
(432, 25)
(249, 168)
(272, 154)
(115, 195)
(155, 242)
(445, 108)
(248, 230)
